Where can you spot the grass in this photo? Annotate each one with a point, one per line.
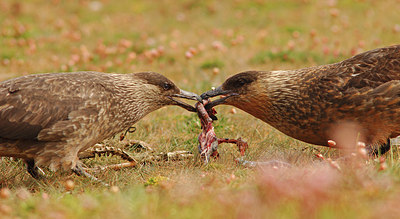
(232, 36)
(212, 64)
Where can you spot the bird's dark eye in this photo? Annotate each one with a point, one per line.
(167, 86)
(241, 82)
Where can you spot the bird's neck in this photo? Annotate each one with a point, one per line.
(282, 92)
(275, 98)
(280, 99)
(134, 100)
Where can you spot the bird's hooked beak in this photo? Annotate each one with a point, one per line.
(216, 92)
(186, 95)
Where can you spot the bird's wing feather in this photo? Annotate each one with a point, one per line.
(382, 98)
(79, 119)
(352, 82)
(28, 105)
(371, 69)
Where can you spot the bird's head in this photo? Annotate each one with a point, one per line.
(233, 91)
(163, 91)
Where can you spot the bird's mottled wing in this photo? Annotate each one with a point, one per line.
(31, 104)
(371, 69)
(26, 107)
(350, 84)
(365, 82)
(80, 121)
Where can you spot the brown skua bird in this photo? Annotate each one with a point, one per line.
(312, 104)
(47, 119)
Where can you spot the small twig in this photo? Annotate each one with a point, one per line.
(130, 130)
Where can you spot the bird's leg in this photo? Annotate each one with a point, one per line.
(382, 149)
(78, 170)
(33, 170)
